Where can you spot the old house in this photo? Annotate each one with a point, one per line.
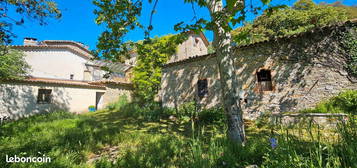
(63, 76)
(284, 74)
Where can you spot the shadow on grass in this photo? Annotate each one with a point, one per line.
(68, 139)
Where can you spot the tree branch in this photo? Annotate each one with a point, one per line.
(150, 27)
(237, 6)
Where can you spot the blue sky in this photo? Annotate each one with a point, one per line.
(77, 23)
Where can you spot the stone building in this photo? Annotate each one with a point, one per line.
(285, 74)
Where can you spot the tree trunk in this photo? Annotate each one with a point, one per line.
(227, 73)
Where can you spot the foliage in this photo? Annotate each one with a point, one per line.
(62, 136)
(301, 17)
(347, 145)
(13, 65)
(38, 10)
(152, 55)
(151, 111)
(349, 41)
(345, 102)
(350, 10)
(71, 140)
(119, 17)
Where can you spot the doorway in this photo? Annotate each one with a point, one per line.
(98, 100)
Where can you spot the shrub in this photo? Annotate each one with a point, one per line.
(123, 100)
(213, 115)
(151, 111)
(345, 102)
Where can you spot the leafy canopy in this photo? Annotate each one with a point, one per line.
(302, 16)
(120, 17)
(38, 10)
(151, 57)
(13, 65)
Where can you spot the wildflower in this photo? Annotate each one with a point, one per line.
(224, 163)
(273, 143)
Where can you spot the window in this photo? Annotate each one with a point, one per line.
(97, 75)
(44, 96)
(264, 80)
(197, 40)
(202, 88)
(71, 76)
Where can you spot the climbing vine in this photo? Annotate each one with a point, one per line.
(152, 55)
(350, 44)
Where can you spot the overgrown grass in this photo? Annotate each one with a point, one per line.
(144, 137)
(345, 102)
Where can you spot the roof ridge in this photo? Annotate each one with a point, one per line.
(338, 24)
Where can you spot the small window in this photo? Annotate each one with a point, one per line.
(264, 80)
(197, 40)
(44, 96)
(202, 88)
(71, 76)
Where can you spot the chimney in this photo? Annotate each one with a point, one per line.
(30, 41)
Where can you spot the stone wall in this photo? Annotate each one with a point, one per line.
(324, 120)
(305, 70)
(113, 92)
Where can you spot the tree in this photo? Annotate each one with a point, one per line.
(302, 16)
(13, 65)
(151, 57)
(120, 17)
(350, 10)
(38, 10)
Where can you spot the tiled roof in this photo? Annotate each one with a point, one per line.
(113, 66)
(117, 82)
(56, 81)
(199, 57)
(59, 44)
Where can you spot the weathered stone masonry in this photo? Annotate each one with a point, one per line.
(305, 69)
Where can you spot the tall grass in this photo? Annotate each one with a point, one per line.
(146, 136)
(304, 145)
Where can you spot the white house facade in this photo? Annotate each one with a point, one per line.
(63, 76)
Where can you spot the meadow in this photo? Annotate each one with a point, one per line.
(128, 135)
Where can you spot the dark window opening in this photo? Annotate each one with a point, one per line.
(197, 40)
(264, 80)
(202, 87)
(44, 96)
(71, 76)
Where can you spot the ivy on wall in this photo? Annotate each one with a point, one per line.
(152, 55)
(350, 44)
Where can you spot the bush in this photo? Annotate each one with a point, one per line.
(345, 102)
(213, 115)
(151, 111)
(123, 100)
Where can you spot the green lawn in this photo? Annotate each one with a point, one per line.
(121, 140)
